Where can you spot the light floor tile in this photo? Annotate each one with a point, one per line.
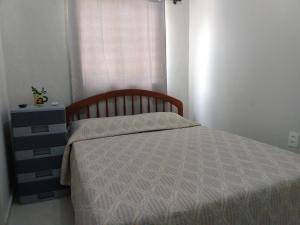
(53, 212)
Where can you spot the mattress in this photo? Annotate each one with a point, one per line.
(161, 169)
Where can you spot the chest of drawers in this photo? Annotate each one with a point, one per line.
(39, 135)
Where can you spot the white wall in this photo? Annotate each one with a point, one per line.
(5, 194)
(177, 24)
(35, 49)
(245, 67)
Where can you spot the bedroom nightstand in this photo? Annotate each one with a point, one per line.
(39, 135)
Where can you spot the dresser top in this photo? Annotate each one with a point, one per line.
(35, 108)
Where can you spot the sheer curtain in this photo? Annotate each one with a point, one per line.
(116, 44)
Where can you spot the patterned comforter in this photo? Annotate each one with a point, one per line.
(162, 169)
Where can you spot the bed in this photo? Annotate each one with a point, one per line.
(153, 167)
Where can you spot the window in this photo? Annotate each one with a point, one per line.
(117, 44)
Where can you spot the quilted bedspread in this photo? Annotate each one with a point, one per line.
(161, 169)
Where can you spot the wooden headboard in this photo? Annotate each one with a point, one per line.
(140, 101)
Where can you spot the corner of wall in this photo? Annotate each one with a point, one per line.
(5, 184)
(177, 34)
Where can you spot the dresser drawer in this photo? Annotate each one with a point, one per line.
(39, 141)
(38, 187)
(37, 118)
(38, 176)
(43, 196)
(39, 130)
(39, 153)
(34, 165)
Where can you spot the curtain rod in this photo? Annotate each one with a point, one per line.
(175, 1)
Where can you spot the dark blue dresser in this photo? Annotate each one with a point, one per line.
(39, 137)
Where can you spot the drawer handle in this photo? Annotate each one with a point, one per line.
(39, 129)
(45, 173)
(41, 151)
(46, 195)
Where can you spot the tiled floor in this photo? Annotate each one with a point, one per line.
(54, 212)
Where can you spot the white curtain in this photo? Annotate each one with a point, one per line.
(116, 44)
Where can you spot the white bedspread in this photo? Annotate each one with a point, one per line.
(162, 169)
